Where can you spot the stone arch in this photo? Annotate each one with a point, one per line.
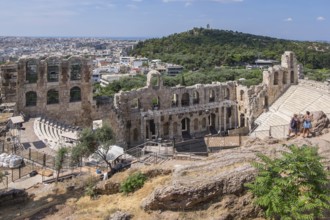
(175, 128)
(276, 78)
(30, 98)
(292, 77)
(31, 71)
(185, 125)
(166, 129)
(211, 95)
(284, 77)
(195, 97)
(155, 102)
(229, 114)
(212, 118)
(135, 103)
(75, 94)
(52, 97)
(75, 70)
(242, 95)
(196, 124)
(204, 123)
(53, 69)
(242, 120)
(135, 134)
(151, 75)
(266, 102)
(175, 100)
(185, 99)
(226, 93)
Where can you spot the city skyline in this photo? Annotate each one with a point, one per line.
(296, 20)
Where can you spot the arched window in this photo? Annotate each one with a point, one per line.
(75, 94)
(227, 93)
(30, 98)
(242, 95)
(52, 70)
(175, 101)
(135, 134)
(75, 70)
(135, 103)
(284, 78)
(196, 124)
(31, 71)
(155, 103)
(185, 99)
(204, 123)
(292, 77)
(175, 128)
(166, 129)
(52, 97)
(228, 112)
(276, 78)
(211, 96)
(195, 98)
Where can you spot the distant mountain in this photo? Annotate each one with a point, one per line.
(207, 48)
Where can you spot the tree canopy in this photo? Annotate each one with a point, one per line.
(292, 187)
(206, 48)
(91, 141)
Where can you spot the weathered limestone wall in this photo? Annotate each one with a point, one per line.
(162, 112)
(77, 112)
(8, 76)
(276, 80)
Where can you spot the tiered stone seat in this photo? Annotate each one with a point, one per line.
(297, 99)
(51, 132)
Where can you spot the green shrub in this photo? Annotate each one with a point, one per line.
(90, 187)
(133, 182)
(293, 186)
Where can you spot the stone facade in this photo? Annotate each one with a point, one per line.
(180, 112)
(61, 89)
(159, 112)
(276, 80)
(54, 87)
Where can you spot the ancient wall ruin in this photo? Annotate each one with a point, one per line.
(56, 87)
(276, 80)
(61, 89)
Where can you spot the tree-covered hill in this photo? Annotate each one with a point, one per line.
(206, 48)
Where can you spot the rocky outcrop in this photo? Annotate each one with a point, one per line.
(206, 181)
(320, 122)
(119, 215)
(218, 182)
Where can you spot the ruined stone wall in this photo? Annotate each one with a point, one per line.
(69, 79)
(158, 112)
(8, 75)
(276, 80)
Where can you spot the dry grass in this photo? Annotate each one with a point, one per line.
(105, 205)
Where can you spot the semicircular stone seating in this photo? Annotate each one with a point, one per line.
(55, 134)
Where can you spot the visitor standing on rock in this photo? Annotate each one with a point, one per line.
(294, 125)
(307, 123)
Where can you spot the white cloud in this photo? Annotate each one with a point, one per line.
(132, 6)
(187, 4)
(136, 0)
(289, 19)
(320, 18)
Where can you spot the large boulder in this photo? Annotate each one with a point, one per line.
(320, 122)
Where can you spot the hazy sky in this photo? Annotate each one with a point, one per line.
(290, 19)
